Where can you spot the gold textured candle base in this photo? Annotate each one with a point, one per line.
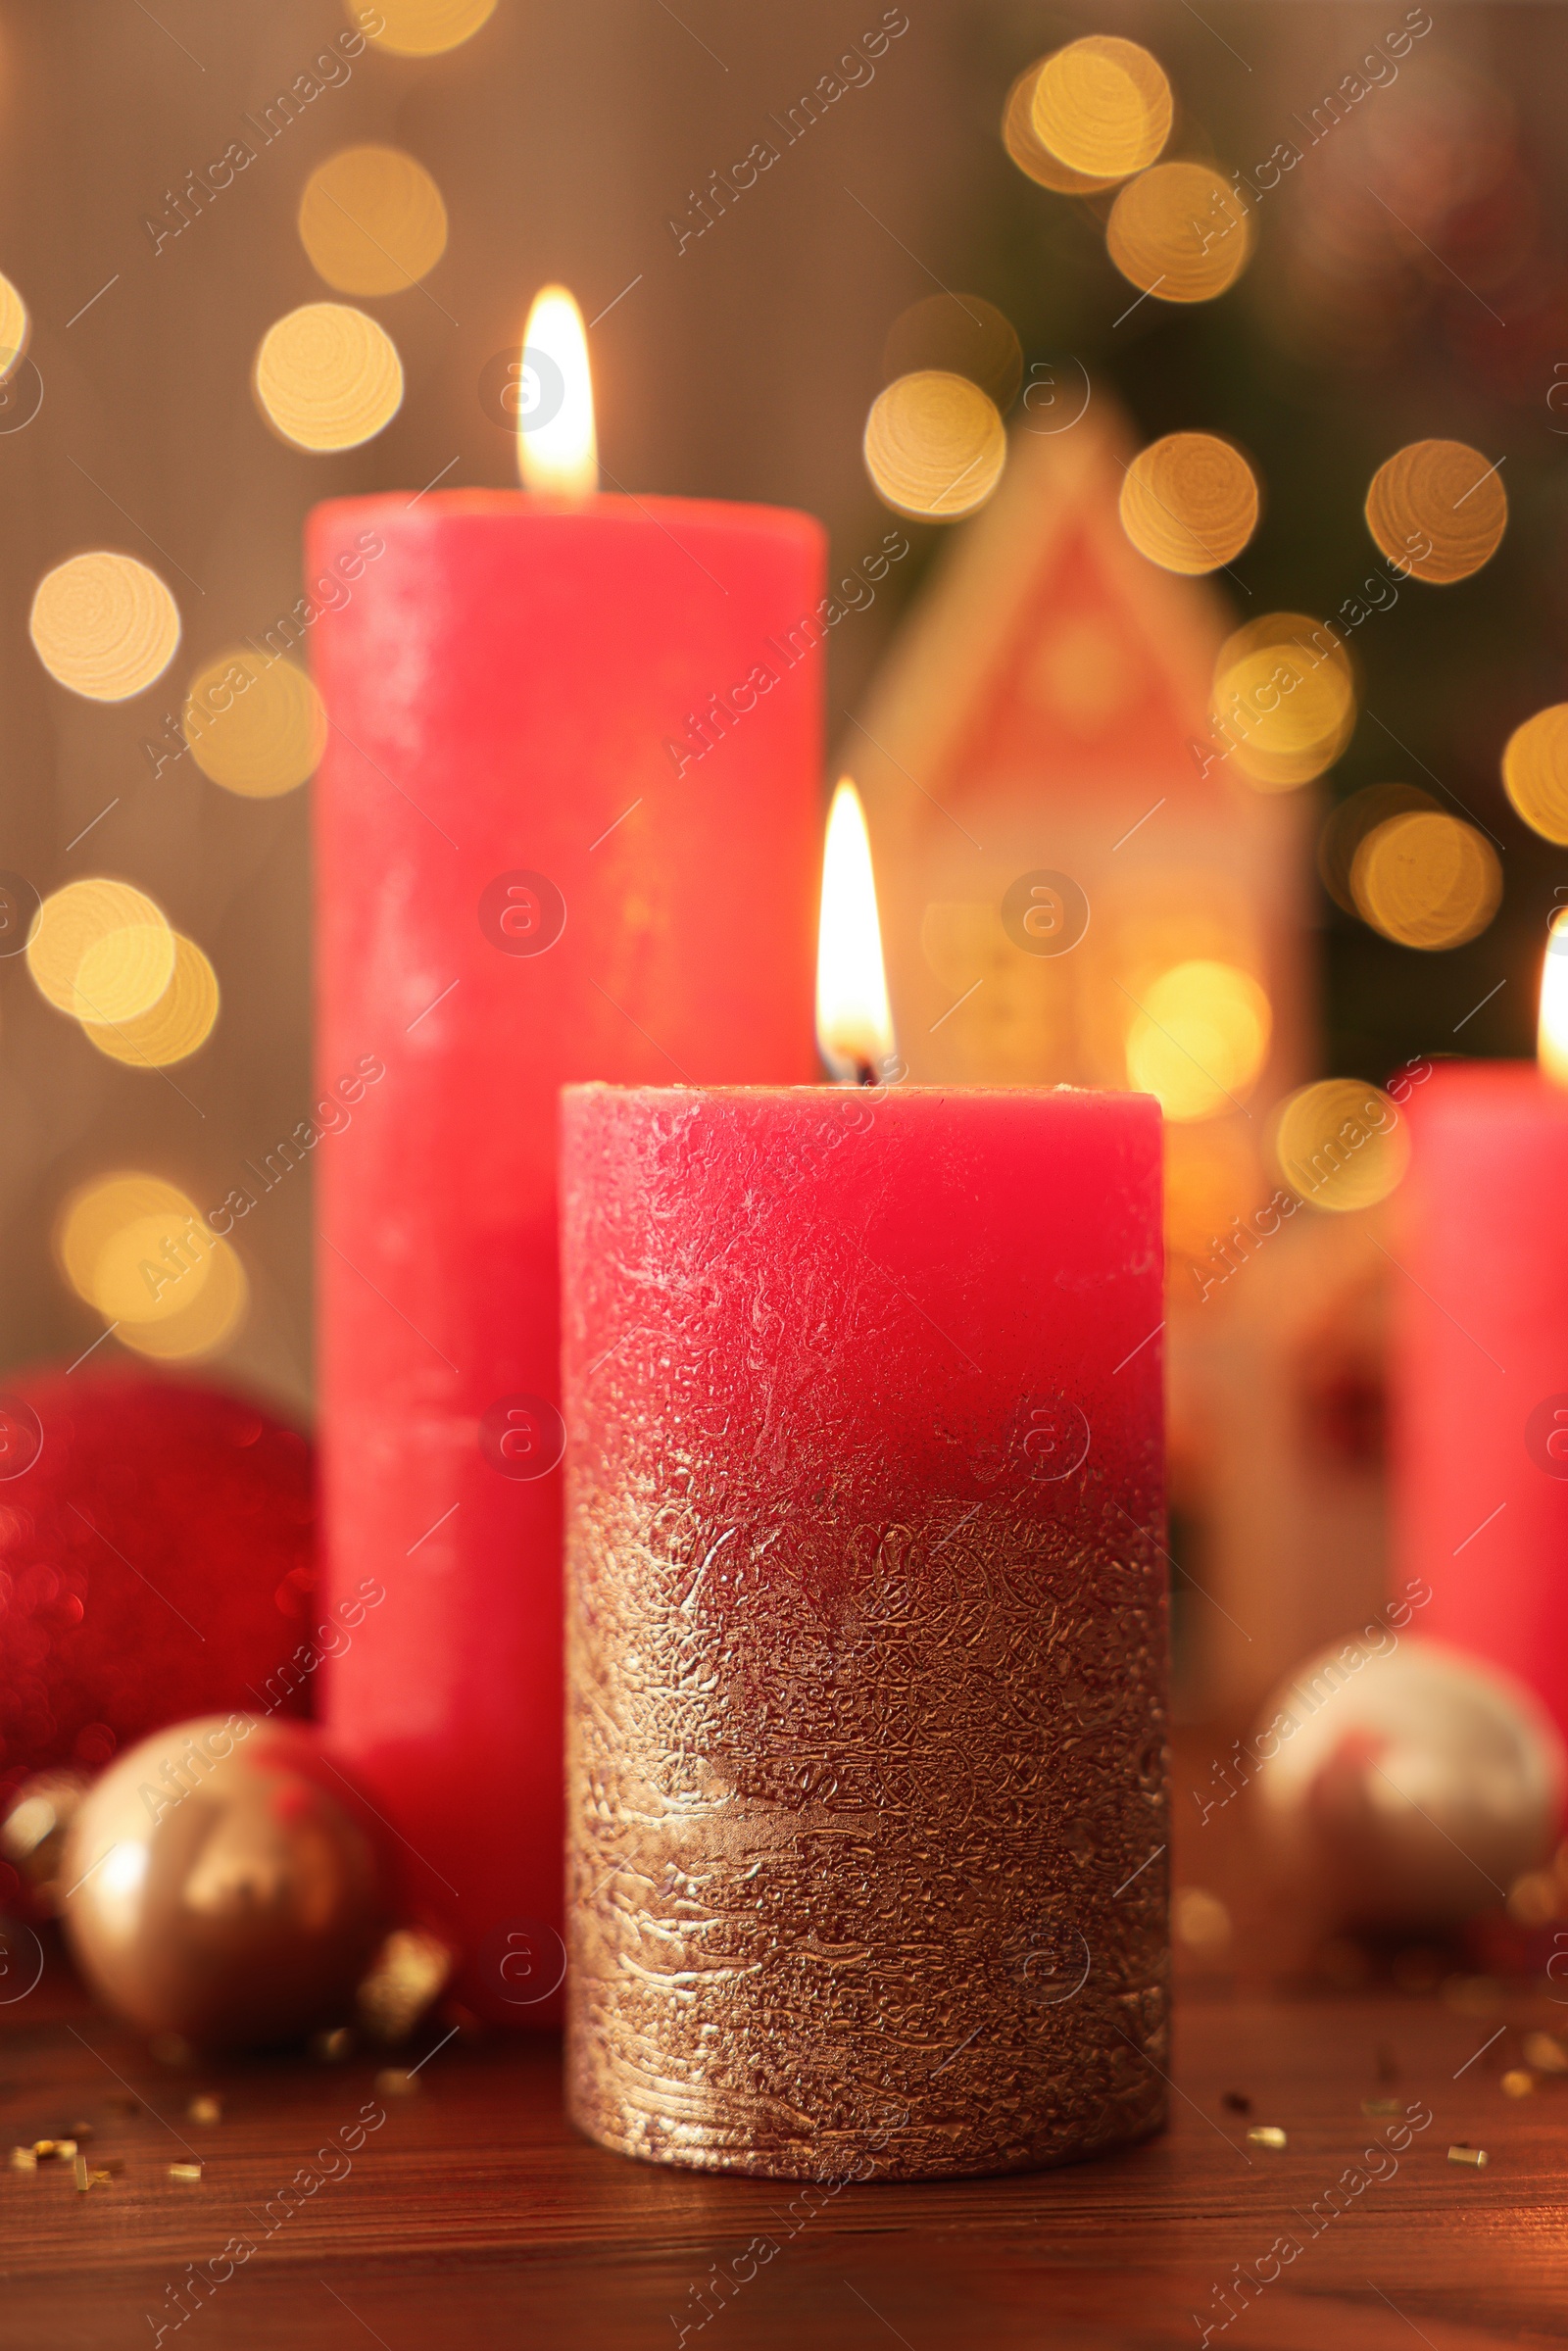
(868, 1829)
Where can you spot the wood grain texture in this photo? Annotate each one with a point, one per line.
(474, 2215)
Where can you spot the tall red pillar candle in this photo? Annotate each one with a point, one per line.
(866, 1626)
(1480, 1367)
(515, 888)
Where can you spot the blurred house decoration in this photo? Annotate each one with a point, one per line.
(1078, 886)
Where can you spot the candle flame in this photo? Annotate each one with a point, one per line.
(1552, 1036)
(853, 1025)
(557, 452)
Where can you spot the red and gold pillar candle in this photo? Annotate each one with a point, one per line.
(866, 1620)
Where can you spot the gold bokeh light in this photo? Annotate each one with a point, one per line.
(935, 445)
(1190, 502)
(958, 335)
(1180, 232)
(423, 27)
(1285, 697)
(104, 625)
(1023, 142)
(175, 1026)
(328, 378)
(201, 1324)
(1102, 105)
(1426, 879)
(16, 327)
(1340, 1144)
(101, 951)
(1198, 1038)
(137, 1251)
(1347, 825)
(256, 726)
(1535, 773)
(1438, 510)
(372, 221)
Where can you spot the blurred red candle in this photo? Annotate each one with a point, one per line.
(866, 1613)
(515, 888)
(1480, 1374)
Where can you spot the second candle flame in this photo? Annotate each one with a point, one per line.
(854, 1024)
(1552, 1045)
(557, 452)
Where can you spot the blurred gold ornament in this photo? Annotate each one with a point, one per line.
(423, 27)
(1102, 105)
(1284, 693)
(256, 726)
(958, 335)
(1340, 1144)
(1023, 142)
(372, 221)
(328, 378)
(175, 1026)
(935, 445)
(1410, 1783)
(33, 1832)
(203, 1319)
(104, 625)
(1190, 502)
(100, 950)
(1198, 1038)
(412, 1969)
(1436, 510)
(16, 327)
(223, 1884)
(1181, 233)
(1347, 826)
(1535, 773)
(1426, 879)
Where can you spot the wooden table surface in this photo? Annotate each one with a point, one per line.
(473, 2215)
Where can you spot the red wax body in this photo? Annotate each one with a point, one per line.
(867, 1626)
(515, 888)
(1480, 1367)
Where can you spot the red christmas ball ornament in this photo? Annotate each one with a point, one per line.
(156, 1560)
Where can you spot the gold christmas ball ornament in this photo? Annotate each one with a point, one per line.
(222, 1883)
(1400, 1783)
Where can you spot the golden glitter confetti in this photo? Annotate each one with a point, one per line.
(175, 1026)
(79, 2168)
(1535, 773)
(1438, 510)
(1533, 1898)
(1285, 698)
(1181, 233)
(423, 27)
(1517, 2082)
(935, 445)
(1198, 1038)
(1475, 2157)
(100, 950)
(393, 2082)
(257, 726)
(1545, 2053)
(409, 1970)
(1190, 502)
(104, 625)
(1019, 137)
(16, 327)
(1340, 1144)
(958, 335)
(1426, 880)
(1267, 2134)
(372, 221)
(1200, 1920)
(328, 378)
(1102, 105)
(333, 2046)
(1376, 2108)
(188, 2172)
(23, 2159)
(202, 1320)
(1347, 826)
(205, 2108)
